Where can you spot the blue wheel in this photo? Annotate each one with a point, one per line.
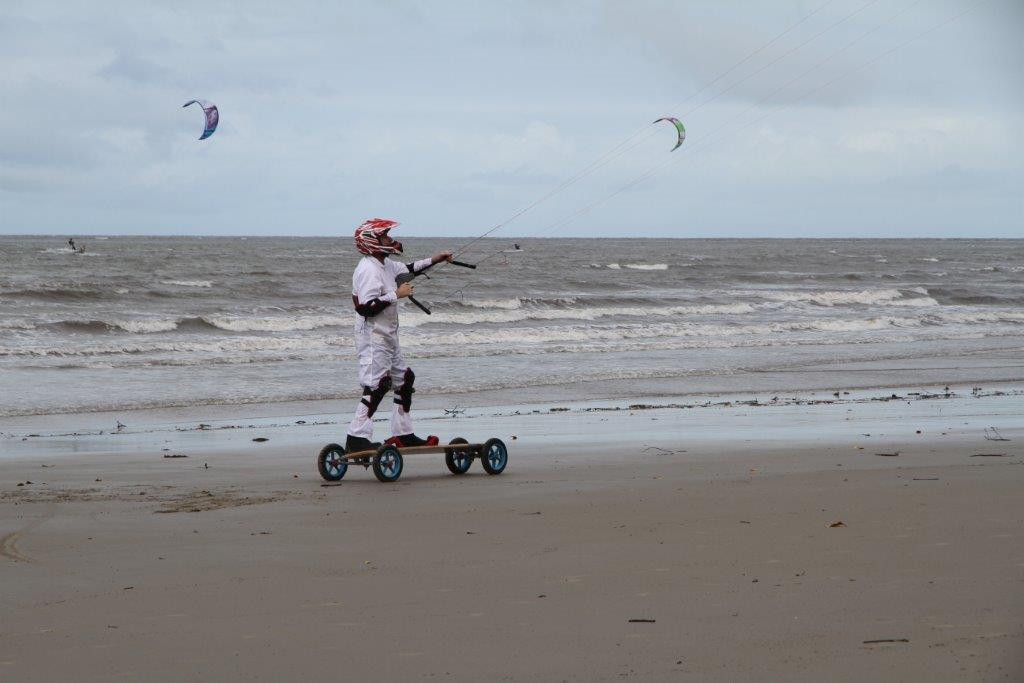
(458, 460)
(494, 456)
(331, 462)
(387, 464)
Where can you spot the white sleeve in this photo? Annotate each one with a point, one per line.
(417, 266)
(422, 264)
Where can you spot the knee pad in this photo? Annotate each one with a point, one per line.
(372, 397)
(403, 394)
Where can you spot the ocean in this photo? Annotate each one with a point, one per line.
(151, 322)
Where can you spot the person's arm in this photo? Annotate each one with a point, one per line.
(368, 293)
(423, 264)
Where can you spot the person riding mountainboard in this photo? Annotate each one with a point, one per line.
(375, 295)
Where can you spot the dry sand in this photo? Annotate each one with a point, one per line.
(668, 544)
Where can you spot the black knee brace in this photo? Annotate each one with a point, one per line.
(372, 397)
(403, 394)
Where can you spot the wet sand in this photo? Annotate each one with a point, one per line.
(663, 544)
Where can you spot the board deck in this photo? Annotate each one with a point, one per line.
(440, 448)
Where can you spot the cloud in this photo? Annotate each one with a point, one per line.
(953, 178)
(459, 113)
(135, 69)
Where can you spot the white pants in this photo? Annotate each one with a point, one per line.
(377, 360)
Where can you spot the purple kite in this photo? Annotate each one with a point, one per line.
(212, 116)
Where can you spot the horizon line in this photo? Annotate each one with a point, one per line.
(509, 238)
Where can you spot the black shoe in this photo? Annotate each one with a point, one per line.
(357, 444)
(409, 440)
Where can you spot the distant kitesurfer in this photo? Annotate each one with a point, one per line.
(71, 243)
(381, 365)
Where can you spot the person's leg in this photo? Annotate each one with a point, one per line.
(375, 378)
(402, 378)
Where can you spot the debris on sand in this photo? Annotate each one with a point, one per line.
(642, 621)
(261, 439)
(836, 525)
(203, 501)
(894, 454)
(663, 450)
(175, 455)
(989, 455)
(886, 640)
(992, 435)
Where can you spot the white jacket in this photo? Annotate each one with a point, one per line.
(374, 297)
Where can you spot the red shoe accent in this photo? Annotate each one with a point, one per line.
(397, 441)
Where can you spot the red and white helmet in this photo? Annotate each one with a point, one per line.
(372, 238)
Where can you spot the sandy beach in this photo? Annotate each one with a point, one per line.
(706, 539)
(738, 286)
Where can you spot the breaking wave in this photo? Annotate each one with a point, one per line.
(207, 323)
(576, 333)
(278, 324)
(498, 311)
(498, 341)
(188, 283)
(515, 303)
(229, 345)
(868, 297)
(578, 313)
(633, 266)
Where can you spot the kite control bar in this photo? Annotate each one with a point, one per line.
(409, 277)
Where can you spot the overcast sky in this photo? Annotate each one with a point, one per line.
(450, 116)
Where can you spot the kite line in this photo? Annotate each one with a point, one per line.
(703, 146)
(624, 146)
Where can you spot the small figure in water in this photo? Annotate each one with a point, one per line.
(71, 243)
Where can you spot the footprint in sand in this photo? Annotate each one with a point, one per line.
(9, 548)
(9, 542)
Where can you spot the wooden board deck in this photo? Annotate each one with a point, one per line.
(440, 448)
